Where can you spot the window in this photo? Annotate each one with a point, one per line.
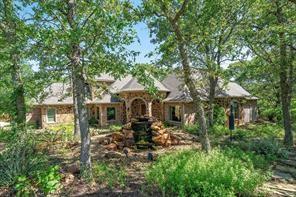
(111, 113)
(51, 115)
(175, 113)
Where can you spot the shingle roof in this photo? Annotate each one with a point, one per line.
(132, 84)
(105, 77)
(61, 93)
(179, 92)
(55, 94)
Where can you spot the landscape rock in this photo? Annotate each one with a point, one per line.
(111, 146)
(128, 134)
(117, 137)
(127, 126)
(68, 178)
(73, 168)
(114, 154)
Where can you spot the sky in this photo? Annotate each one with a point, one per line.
(144, 46)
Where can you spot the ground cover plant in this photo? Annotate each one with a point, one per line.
(199, 174)
(109, 174)
(24, 168)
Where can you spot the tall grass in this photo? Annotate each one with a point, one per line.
(191, 173)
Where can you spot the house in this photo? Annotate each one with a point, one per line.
(124, 99)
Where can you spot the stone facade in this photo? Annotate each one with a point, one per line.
(135, 104)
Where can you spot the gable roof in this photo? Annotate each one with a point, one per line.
(132, 84)
(61, 93)
(179, 91)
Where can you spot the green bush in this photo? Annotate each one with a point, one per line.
(20, 158)
(219, 130)
(115, 127)
(269, 147)
(219, 115)
(23, 187)
(23, 167)
(250, 158)
(49, 179)
(259, 130)
(199, 174)
(93, 121)
(191, 128)
(109, 174)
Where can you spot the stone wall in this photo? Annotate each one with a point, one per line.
(166, 107)
(34, 117)
(64, 114)
(157, 111)
(103, 110)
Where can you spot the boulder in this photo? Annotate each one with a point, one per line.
(127, 126)
(162, 131)
(120, 145)
(105, 140)
(113, 154)
(155, 128)
(128, 134)
(159, 140)
(111, 146)
(73, 168)
(129, 142)
(68, 178)
(157, 124)
(117, 137)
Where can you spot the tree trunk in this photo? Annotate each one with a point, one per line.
(19, 114)
(75, 108)
(85, 160)
(285, 81)
(213, 84)
(198, 106)
(80, 95)
(19, 92)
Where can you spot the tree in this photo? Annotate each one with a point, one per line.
(13, 39)
(166, 20)
(258, 77)
(82, 39)
(213, 39)
(269, 32)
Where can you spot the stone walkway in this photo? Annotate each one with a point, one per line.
(284, 177)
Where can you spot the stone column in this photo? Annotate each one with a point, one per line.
(128, 110)
(149, 103)
(101, 115)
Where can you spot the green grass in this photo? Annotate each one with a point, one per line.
(111, 175)
(195, 173)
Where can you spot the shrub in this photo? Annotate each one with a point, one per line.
(22, 167)
(115, 127)
(219, 115)
(191, 128)
(93, 121)
(249, 158)
(49, 179)
(109, 174)
(23, 186)
(199, 174)
(20, 159)
(268, 147)
(219, 130)
(259, 130)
